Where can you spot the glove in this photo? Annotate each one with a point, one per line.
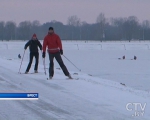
(43, 55)
(61, 52)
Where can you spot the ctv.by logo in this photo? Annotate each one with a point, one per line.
(138, 109)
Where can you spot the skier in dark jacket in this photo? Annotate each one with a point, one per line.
(53, 42)
(33, 44)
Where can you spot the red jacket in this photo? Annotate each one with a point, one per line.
(53, 42)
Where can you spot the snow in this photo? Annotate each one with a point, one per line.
(96, 97)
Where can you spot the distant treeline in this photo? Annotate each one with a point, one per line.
(103, 29)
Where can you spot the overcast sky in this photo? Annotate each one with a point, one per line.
(60, 10)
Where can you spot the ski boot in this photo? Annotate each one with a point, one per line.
(50, 77)
(26, 72)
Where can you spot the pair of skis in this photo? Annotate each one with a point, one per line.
(66, 79)
(69, 78)
(52, 78)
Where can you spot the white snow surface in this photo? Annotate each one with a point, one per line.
(96, 97)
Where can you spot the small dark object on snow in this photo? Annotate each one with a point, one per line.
(135, 57)
(123, 57)
(123, 84)
(75, 73)
(9, 59)
(19, 56)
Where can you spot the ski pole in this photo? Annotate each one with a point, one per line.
(21, 62)
(72, 63)
(44, 64)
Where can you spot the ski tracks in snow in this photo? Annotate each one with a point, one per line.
(62, 99)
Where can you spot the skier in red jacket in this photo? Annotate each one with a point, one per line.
(53, 42)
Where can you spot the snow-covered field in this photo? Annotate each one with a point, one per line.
(96, 97)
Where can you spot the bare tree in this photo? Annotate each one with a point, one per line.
(146, 24)
(36, 23)
(131, 27)
(145, 29)
(24, 30)
(101, 21)
(35, 28)
(74, 21)
(10, 30)
(117, 23)
(2, 28)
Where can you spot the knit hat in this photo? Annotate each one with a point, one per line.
(34, 35)
(51, 28)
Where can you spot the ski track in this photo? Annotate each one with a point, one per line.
(61, 99)
(32, 104)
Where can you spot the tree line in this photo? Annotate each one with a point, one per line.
(129, 28)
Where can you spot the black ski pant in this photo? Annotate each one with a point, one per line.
(36, 55)
(58, 58)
